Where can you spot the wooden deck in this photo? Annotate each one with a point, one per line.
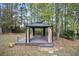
(36, 41)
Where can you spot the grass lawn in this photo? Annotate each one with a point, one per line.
(61, 47)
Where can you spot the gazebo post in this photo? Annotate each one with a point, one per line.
(52, 33)
(49, 34)
(33, 31)
(44, 31)
(27, 35)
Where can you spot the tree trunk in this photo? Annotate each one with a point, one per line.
(65, 13)
(57, 20)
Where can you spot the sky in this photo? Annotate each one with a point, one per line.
(19, 8)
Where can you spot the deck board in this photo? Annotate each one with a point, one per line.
(36, 40)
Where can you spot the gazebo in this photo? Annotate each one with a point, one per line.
(34, 39)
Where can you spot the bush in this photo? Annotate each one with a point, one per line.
(77, 35)
(17, 30)
(69, 34)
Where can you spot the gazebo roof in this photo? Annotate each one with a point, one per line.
(38, 25)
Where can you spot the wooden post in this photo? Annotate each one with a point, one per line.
(44, 31)
(33, 31)
(49, 34)
(28, 35)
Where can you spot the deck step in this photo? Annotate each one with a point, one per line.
(46, 45)
(37, 44)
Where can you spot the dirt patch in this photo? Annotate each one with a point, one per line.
(66, 47)
(61, 47)
(65, 42)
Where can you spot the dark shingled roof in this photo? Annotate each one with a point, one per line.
(38, 25)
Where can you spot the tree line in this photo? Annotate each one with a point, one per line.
(63, 17)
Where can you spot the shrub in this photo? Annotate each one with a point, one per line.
(17, 30)
(69, 34)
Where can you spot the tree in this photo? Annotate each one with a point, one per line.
(73, 14)
(57, 20)
(6, 18)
